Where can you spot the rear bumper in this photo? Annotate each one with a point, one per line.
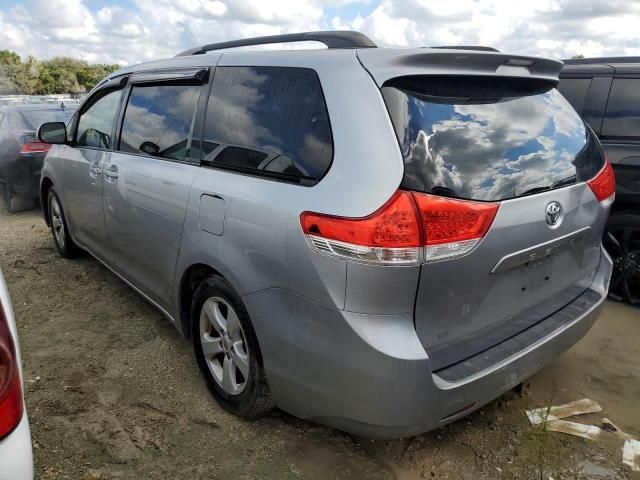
(369, 374)
(24, 175)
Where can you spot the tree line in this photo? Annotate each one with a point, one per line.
(43, 77)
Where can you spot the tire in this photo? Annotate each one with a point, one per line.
(232, 347)
(622, 241)
(59, 228)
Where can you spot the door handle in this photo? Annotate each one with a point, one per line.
(111, 173)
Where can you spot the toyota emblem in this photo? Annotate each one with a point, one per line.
(553, 214)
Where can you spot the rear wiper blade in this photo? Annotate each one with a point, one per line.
(565, 181)
(531, 191)
(560, 183)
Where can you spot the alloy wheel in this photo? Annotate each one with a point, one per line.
(224, 345)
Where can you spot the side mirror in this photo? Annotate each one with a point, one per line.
(53, 132)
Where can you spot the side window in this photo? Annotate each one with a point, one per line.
(575, 90)
(96, 123)
(622, 118)
(158, 120)
(269, 121)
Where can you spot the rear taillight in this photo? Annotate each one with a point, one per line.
(35, 147)
(603, 185)
(392, 235)
(452, 227)
(410, 228)
(10, 386)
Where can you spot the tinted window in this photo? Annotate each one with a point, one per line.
(490, 147)
(269, 120)
(575, 90)
(241, 157)
(96, 123)
(158, 120)
(623, 110)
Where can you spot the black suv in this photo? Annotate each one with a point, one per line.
(606, 92)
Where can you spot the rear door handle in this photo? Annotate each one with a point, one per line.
(111, 173)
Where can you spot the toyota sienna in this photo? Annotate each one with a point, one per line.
(381, 240)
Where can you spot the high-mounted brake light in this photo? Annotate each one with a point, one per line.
(35, 147)
(11, 407)
(411, 227)
(603, 185)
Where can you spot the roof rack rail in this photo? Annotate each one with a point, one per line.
(332, 39)
(479, 48)
(598, 60)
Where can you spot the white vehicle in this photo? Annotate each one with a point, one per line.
(16, 460)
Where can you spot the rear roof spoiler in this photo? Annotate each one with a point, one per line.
(385, 64)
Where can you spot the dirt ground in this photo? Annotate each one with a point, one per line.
(113, 391)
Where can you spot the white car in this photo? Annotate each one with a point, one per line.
(16, 460)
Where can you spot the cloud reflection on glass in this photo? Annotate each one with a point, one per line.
(490, 151)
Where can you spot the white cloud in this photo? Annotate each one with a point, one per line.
(147, 29)
(553, 28)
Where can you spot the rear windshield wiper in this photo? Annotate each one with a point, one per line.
(560, 183)
(565, 181)
(531, 191)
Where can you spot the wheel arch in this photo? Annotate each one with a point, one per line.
(190, 280)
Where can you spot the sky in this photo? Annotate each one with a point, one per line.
(132, 31)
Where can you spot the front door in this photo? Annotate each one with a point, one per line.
(83, 165)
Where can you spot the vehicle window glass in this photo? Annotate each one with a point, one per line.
(622, 118)
(15, 121)
(158, 120)
(241, 157)
(500, 144)
(202, 149)
(96, 123)
(269, 121)
(575, 90)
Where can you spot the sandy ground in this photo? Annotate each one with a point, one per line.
(113, 391)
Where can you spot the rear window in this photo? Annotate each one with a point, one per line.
(484, 140)
(623, 109)
(158, 120)
(34, 118)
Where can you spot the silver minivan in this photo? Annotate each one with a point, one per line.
(380, 240)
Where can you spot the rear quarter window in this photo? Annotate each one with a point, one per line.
(268, 121)
(622, 118)
(486, 142)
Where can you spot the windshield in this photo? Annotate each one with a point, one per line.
(490, 148)
(34, 118)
